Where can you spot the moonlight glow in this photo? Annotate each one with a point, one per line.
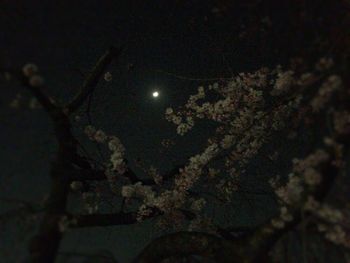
(155, 94)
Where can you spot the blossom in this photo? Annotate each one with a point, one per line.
(76, 185)
(108, 76)
(277, 223)
(306, 79)
(324, 64)
(128, 191)
(312, 177)
(244, 123)
(336, 235)
(291, 193)
(330, 214)
(177, 120)
(36, 81)
(183, 128)
(227, 141)
(198, 204)
(325, 92)
(29, 69)
(311, 204)
(285, 215)
(169, 111)
(283, 82)
(117, 149)
(116, 160)
(114, 144)
(100, 136)
(143, 212)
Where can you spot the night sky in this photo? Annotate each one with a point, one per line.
(65, 39)
(172, 48)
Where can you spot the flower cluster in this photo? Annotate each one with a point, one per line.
(307, 167)
(285, 80)
(114, 145)
(191, 173)
(285, 216)
(31, 72)
(304, 174)
(341, 121)
(247, 110)
(304, 177)
(138, 190)
(291, 192)
(166, 201)
(335, 234)
(325, 92)
(242, 115)
(198, 205)
(329, 221)
(183, 127)
(117, 156)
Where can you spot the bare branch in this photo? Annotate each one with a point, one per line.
(104, 220)
(93, 78)
(182, 244)
(42, 98)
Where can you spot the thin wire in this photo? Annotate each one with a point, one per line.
(190, 78)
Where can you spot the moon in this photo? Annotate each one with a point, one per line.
(155, 94)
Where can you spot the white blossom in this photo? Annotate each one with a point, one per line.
(76, 185)
(169, 111)
(128, 191)
(108, 76)
(36, 81)
(29, 69)
(100, 136)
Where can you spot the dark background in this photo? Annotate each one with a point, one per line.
(171, 46)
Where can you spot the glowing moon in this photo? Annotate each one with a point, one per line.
(155, 94)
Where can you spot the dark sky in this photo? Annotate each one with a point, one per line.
(66, 38)
(193, 39)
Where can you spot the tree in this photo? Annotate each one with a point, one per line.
(310, 96)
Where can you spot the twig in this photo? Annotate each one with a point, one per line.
(93, 78)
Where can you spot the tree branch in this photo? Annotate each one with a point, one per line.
(38, 92)
(103, 219)
(87, 173)
(93, 78)
(263, 239)
(182, 244)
